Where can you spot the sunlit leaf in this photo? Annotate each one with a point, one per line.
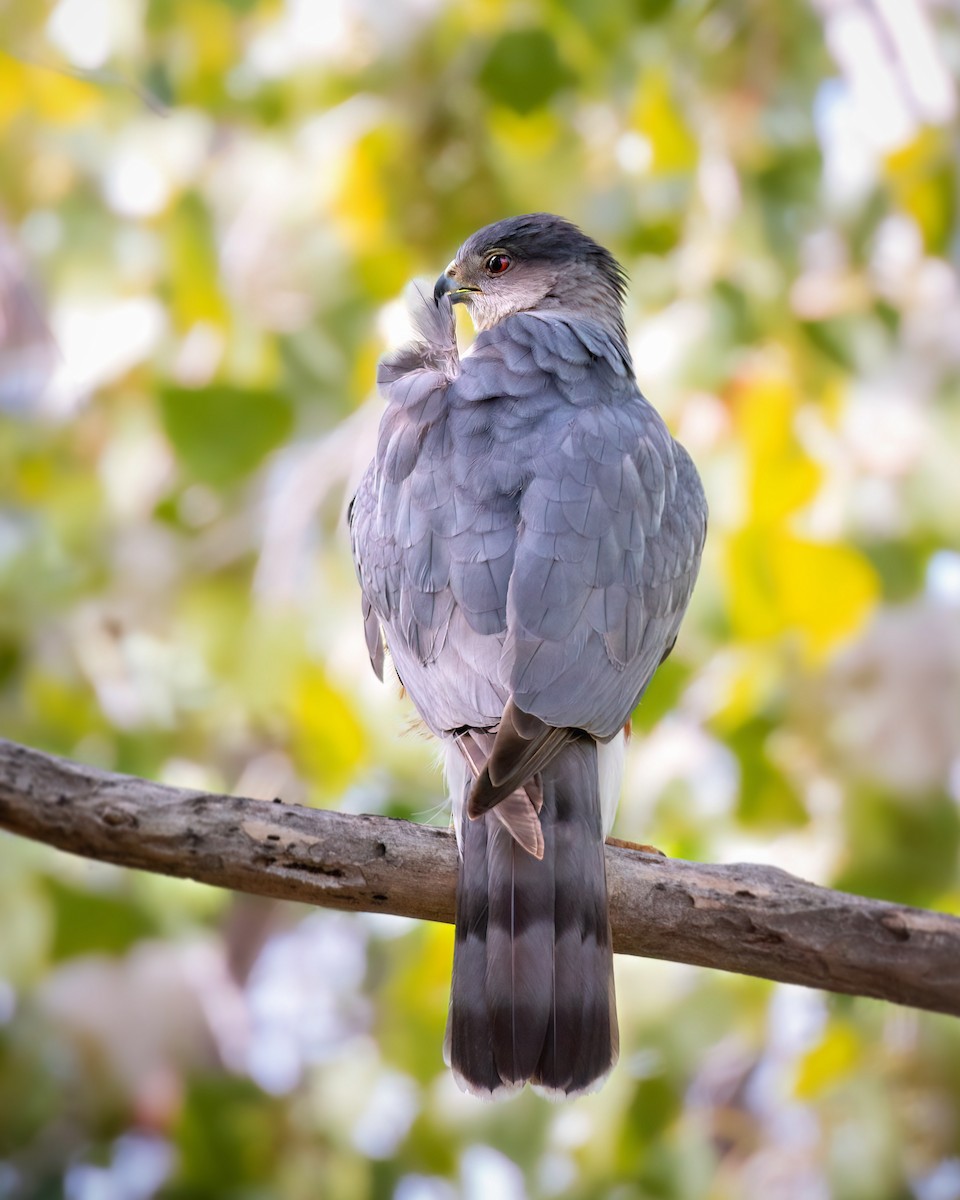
(194, 266)
(830, 1062)
(752, 678)
(415, 992)
(52, 92)
(66, 709)
(362, 203)
(779, 584)
(328, 739)
(657, 116)
(782, 478)
(923, 178)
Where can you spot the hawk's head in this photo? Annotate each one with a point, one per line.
(535, 262)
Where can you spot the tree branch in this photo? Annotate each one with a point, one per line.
(751, 919)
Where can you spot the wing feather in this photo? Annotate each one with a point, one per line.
(528, 529)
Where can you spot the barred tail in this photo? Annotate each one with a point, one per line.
(532, 994)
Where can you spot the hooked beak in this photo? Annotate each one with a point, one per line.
(446, 285)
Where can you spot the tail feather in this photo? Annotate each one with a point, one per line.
(532, 991)
(583, 1040)
(520, 899)
(469, 1039)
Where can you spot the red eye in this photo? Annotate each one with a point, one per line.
(496, 264)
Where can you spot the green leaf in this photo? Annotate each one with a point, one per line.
(767, 799)
(900, 565)
(657, 235)
(833, 340)
(228, 1136)
(662, 695)
(652, 10)
(194, 267)
(904, 852)
(88, 922)
(523, 70)
(654, 1106)
(221, 433)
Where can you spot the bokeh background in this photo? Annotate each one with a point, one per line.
(208, 211)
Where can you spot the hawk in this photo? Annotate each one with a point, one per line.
(526, 540)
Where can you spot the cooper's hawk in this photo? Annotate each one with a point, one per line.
(527, 538)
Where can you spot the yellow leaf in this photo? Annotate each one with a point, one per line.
(383, 267)
(752, 678)
(361, 206)
(194, 266)
(781, 478)
(484, 16)
(832, 1061)
(523, 136)
(51, 93)
(779, 584)
(13, 91)
(414, 1000)
(328, 740)
(365, 366)
(61, 98)
(36, 477)
(212, 32)
(922, 178)
(658, 118)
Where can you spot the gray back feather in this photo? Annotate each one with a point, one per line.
(528, 525)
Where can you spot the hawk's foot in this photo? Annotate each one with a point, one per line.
(641, 846)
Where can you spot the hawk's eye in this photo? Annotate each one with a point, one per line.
(496, 264)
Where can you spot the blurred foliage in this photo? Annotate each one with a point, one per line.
(207, 213)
